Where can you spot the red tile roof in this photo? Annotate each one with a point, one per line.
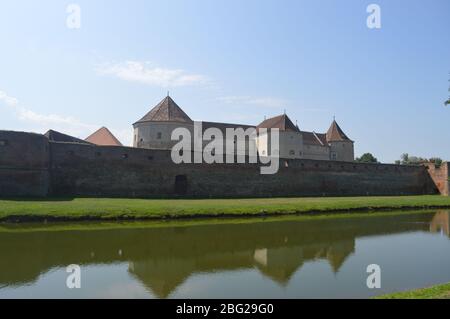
(336, 134)
(104, 137)
(281, 122)
(166, 111)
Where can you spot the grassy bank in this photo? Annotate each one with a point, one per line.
(78, 209)
(436, 292)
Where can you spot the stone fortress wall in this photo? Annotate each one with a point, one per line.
(30, 165)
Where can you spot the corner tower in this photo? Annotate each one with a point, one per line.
(154, 130)
(341, 147)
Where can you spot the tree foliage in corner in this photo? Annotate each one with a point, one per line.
(406, 159)
(367, 158)
(448, 100)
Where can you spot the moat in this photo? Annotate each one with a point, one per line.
(293, 257)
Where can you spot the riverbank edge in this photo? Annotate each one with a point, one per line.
(99, 216)
(434, 292)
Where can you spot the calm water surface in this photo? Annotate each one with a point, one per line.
(282, 258)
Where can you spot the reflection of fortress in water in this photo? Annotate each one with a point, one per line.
(163, 258)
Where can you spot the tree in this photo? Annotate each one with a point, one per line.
(436, 160)
(406, 159)
(367, 158)
(448, 100)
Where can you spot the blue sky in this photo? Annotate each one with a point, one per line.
(232, 61)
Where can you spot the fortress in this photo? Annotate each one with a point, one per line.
(311, 164)
(154, 131)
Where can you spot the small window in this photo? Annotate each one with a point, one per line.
(98, 154)
(124, 156)
(150, 158)
(142, 140)
(291, 152)
(3, 142)
(159, 135)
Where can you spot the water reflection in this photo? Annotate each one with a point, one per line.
(163, 258)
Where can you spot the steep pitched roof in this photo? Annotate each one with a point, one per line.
(313, 138)
(103, 136)
(281, 122)
(335, 133)
(224, 126)
(166, 111)
(56, 136)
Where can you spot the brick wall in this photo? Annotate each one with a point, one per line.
(120, 171)
(24, 162)
(31, 166)
(440, 175)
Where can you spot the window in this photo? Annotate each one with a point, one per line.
(333, 156)
(124, 156)
(3, 142)
(291, 152)
(159, 135)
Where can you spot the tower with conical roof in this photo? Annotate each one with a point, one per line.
(341, 147)
(155, 128)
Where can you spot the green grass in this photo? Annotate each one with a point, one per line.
(436, 292)
(129, 209)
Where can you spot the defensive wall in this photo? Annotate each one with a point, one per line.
(30, 165)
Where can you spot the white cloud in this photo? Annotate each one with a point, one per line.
(8, 100)
(65, 124)
(270, 102)
(145, 73)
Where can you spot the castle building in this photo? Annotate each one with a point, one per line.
(154, 131)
